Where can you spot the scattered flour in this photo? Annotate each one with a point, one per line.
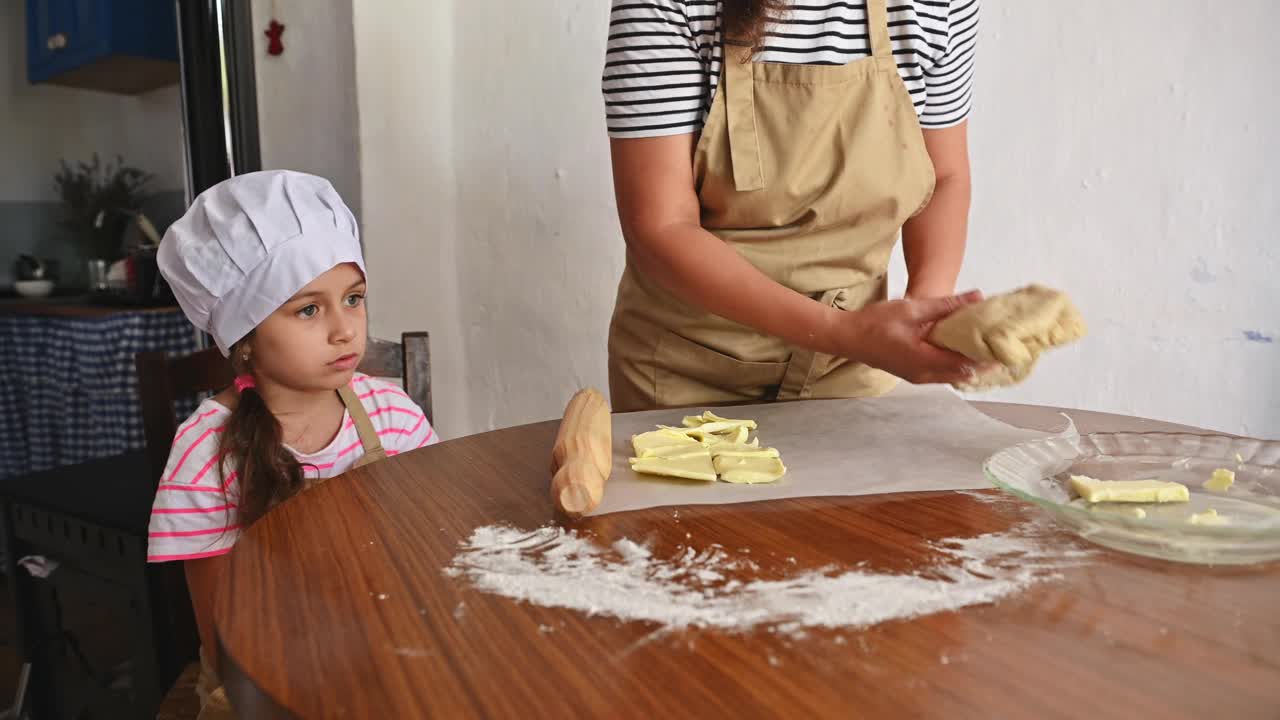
(554, 567)
(988, 497)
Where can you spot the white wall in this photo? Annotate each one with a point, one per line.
(1126, 152)
(540, 248)
(404, 65)
(1120, 152)
(307, 110)
(42, 124)
(487, 202)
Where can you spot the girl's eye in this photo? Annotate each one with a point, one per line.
(354, 300)
(309, 311)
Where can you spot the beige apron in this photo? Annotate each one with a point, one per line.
(808, 171)
(214, 704)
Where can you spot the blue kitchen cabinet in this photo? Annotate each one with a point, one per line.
(122, 46)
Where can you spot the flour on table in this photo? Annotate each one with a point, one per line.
(554, 567)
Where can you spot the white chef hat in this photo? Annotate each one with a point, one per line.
(248, 244)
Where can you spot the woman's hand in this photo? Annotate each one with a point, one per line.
(894, 336)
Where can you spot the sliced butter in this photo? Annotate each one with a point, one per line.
(731, 441)
(678, 453)
(712, 417)
(709, 432)
(707, 417)
(694, 467)
(749, 470)
(1220, 480)
(1208, 517)
(743, 451)
(661, 442)
(1094, 490)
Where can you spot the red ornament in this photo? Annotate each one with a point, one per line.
(273, 33)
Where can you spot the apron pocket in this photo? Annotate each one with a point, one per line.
(687, 373)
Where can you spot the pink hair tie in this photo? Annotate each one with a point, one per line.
(244, 382)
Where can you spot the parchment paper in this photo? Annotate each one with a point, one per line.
(914, 438)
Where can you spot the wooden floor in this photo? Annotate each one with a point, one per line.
(9, 663)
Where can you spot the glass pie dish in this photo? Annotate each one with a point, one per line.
(1245, 525)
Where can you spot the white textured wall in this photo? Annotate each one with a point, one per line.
(1127, 153)
(1120, 149)
(540, 251)
(404, 63)
(307, 109)
(42, 124)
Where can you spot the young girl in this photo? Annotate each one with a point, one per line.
(269, 264)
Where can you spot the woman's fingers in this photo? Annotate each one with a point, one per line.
(931, 310)
(936, 365)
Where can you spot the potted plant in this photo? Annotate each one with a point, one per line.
(100, 201)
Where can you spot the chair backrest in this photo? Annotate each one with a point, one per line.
(409, 359)
(163, 379)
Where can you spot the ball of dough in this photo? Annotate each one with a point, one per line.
(1011, 330)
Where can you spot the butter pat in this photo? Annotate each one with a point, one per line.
(733, 437)
(743, 451)
(1145, 491)
(749, 470)
(692, 467)
(725, 441)
(661, 442)
(1220, 480)
(707, 417)
(1208, 517)
(679, 453)
(706, 430)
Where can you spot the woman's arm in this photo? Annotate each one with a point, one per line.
(933, 242)
(661, 222)
(203, 576)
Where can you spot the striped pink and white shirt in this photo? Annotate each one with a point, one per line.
(193, 517)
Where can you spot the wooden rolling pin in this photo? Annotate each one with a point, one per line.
(582, 457)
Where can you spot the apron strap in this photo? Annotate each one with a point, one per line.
(878, 31)
(738, 86)
(805, 365)
(373, 451)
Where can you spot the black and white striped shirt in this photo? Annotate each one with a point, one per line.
(663, 60)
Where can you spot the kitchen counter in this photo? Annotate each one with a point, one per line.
(75, 304)
(68, 386)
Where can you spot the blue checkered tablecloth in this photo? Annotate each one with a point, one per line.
(68, 388)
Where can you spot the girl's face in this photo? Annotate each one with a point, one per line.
(316, 339)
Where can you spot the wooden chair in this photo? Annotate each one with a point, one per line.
(163, 379)
(93, 518)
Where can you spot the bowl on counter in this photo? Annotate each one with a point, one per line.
(1245, 527)
(33, 288)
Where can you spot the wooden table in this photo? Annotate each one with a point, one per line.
(326, 592)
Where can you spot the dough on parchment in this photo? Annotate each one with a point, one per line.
(1012, 329)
